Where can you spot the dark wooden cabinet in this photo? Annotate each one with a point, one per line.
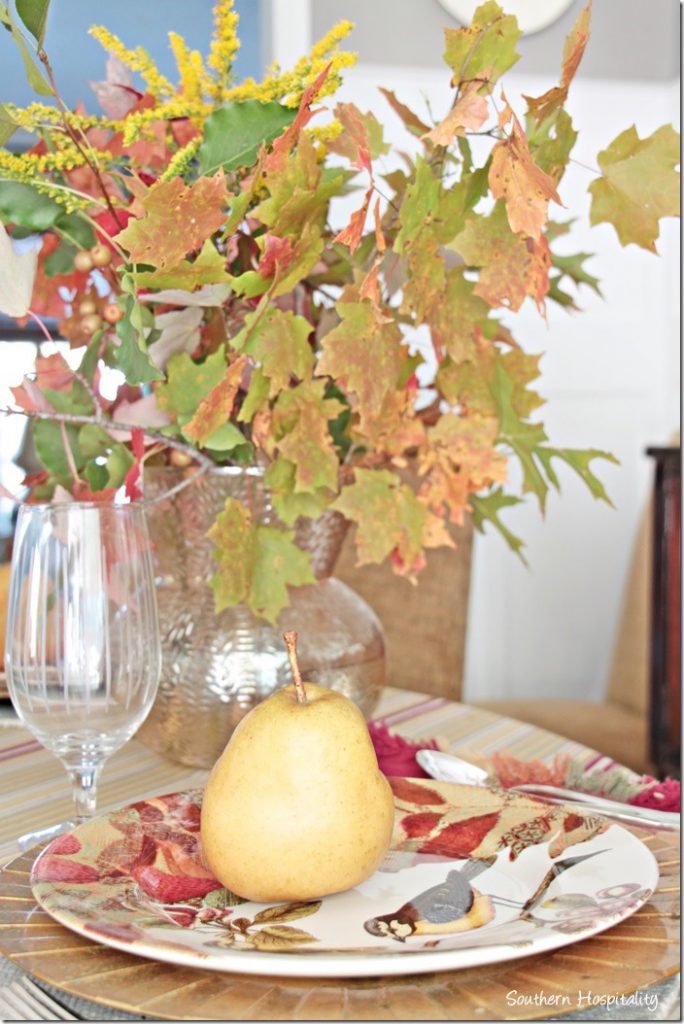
(666, 646)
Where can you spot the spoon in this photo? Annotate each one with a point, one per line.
(449, 768)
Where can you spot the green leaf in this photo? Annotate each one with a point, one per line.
(256, 564)
(280, 344)
(8, 125)
(572, 266)
(278, 564)
(22, 204)
(639, 185)
(97, 476)
(225, 439)
(300, 427)
(551, 144)
(35, 78)
(188, 382)
(288, 503)
(222, 898)
(131, 356)
(388, 514)
(76, 230)
(94, 441)
(523, 438)
(484, 50)
(235, 132)
(579, 460)
(33, 13)
(61, 261)
(75, 401)
(208, 268)
(287, 912)
(47, 437)
(486, 508)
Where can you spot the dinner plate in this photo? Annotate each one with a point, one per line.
(473, 876)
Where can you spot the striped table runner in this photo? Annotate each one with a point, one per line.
(35, 793)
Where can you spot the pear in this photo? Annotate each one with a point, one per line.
(296, 807)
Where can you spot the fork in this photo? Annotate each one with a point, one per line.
(24, 1000)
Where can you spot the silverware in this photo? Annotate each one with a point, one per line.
(24, 1000)
(449, 768)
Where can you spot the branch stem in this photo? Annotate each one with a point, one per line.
(290, 638)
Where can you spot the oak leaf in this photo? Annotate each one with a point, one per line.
(177, 219)
(516, 178)
(469, 112)
(363, 354)
(638, 186)
(573, 51)
(486, 49)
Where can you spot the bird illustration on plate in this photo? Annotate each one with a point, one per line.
(456, 905)
(452, 906)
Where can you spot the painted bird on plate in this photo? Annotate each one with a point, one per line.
(452, 906)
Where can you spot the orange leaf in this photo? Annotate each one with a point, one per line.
(351, 235)
(278, 254)
(514, 177)
(216, 408)
(573, 50)
(470, 111)
(410, 119)
(356, 131)
(286, 142)
(380, 240)
(177, 218)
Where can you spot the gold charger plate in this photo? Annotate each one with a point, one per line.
(633, 955)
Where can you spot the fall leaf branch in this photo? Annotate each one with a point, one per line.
(74, 134)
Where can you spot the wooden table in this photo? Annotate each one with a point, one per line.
(34, 793)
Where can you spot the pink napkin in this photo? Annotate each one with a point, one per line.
(397, 756)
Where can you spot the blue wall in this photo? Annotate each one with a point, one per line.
(77, 58)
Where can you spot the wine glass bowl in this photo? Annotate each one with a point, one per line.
(83, 653)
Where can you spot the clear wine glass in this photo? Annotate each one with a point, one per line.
(82, 653)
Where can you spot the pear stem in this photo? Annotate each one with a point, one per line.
(290, 639)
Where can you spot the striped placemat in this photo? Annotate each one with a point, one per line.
(35, 792)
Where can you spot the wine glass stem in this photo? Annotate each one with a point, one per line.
(84, 779)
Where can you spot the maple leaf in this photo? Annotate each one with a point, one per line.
(514, 177)
(553, 141)
(411, 120)
(279, 341)
(638, 186)
(397, 428)
(573, 267)
(524, 438)
(573, 51)
(461, 458)
(486, 49)
(188, 383)
(300, 426)
(178, 218)
(256, 564)
(17, 274)
(387, 513)
(179, 331)
(278, 254)
(351, 234)
(361, 139)
(470, 111)
(209, 267)
(512, 267)
(363, 354)
(285, 143)
(290, 504)
(215, 410)
(454, 320)
(116, 94)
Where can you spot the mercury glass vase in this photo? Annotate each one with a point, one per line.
(217, 666)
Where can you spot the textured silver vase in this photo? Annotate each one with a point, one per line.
(216, 667)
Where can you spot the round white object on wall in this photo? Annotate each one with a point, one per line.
(532, 15)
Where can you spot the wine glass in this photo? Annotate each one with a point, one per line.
(82, 653)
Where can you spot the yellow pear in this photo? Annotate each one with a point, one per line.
(296, 806)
